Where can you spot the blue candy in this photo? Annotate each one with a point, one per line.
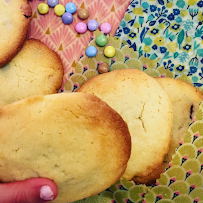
(91, 51)
(53, 3)
(71, 7)
(67, 18)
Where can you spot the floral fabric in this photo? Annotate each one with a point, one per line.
(170, 32)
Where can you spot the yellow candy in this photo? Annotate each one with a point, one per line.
(43, 8)
(109, 51)
(59, 10)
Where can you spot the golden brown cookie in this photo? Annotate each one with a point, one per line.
(35, 70)
(145, 107)
(15, 16)
(75, 139)
(185, 99)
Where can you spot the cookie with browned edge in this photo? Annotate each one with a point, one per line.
(75, 139)
(35, 70)
(185, 99)
(15, 16)
(145, 107)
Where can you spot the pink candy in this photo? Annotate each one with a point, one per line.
(81, 28)
(106, 28)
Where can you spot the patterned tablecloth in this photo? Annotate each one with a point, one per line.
(63, 38)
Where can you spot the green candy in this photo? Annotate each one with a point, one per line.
(101, 40)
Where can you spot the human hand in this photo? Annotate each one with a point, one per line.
(35, 190)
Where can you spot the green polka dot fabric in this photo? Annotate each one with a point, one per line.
(170, 32)
(183, 180)
(122, 192)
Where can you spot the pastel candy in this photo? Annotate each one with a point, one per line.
(92, 25)
(81, 27)
(109, 51)
(67, 18)
(83, 14)
(91, 51)
(43, 8)
(106, 28)
(101, 40)
(59, 10)
(53, 3)
(71, 7)
(103, 68)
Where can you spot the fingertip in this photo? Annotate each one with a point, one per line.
(34, 190)
(47, 188)
(46, 193)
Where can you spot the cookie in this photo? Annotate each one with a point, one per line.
(185, 99)
(147, 110)
(15, 16)
(75, 139)
(35, 70)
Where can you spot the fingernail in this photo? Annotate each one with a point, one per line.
(46, 193)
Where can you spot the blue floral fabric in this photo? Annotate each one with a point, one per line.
(169, 32)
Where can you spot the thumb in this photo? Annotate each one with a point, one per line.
(35, 190)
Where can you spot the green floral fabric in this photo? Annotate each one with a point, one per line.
(169, 32)
(183, 180)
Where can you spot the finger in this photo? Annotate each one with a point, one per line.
(35, 190)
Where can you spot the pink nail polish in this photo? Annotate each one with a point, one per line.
(46, 193)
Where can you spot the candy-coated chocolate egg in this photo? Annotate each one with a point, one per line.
(43, 8)
(101, 40)
(59, 10)
(71, 7)
(81, 27)
(103, 68)
(67, 18)
(109, 51)
(83, 14)
(92, 25)
(105, 28)
(53, 3)
(91, 51)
